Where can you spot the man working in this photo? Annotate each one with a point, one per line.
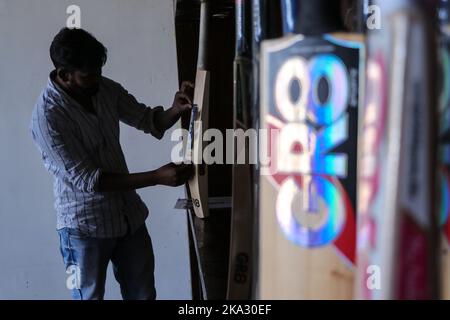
(75, 124)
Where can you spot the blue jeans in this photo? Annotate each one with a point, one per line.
(86, 260)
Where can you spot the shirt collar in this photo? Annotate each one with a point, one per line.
(55, 90)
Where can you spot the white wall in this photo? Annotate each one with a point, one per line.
(140, 38)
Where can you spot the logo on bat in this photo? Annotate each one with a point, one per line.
(308, 101)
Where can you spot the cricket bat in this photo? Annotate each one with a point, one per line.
(198, 185)
(444, 146)
(310, 100)
(266, 24)
(258, 33)
(251, 26)
(241, 240)
(397, 248)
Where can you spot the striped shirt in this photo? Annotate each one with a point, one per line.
(76, 146)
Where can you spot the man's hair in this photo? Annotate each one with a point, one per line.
(77, 49)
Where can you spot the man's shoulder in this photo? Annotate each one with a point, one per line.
(49, 109)
(110, 84)
(48, 106)
(47, 118)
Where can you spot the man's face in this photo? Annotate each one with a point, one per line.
(85, 82)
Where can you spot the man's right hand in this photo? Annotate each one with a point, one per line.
(173, 175)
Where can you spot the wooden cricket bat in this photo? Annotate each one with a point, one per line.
(258, 34)
(444, 146)
(198, 185)
(397, 247)
(243, 207)
(266, 24)
(309, 103)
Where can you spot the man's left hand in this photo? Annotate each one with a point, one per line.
(183, 98)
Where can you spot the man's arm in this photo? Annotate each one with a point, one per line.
(166, 119)
(153, 120)
(169, 175)
(138, 115)
(181, 103)
(64, 154)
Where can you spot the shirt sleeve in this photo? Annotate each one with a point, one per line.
(63, 153)
(138, 115)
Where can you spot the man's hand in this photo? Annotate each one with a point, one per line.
(181, 103)
(183, 98)
(173, 175)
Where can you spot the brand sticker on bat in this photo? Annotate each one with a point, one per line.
(311, 101)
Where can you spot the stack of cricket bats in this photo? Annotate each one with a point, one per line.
(354, 200)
